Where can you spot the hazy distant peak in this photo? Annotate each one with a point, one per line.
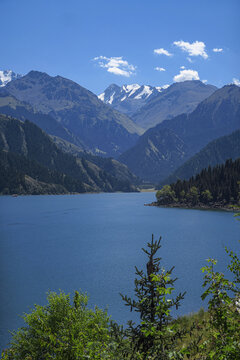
(178, 98)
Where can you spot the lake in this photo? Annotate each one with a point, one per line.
(93, 241)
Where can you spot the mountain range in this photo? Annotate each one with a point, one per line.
(162, 149)
(81, 124)
(148, 105)
(99, 128)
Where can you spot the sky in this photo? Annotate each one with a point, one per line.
(99, 42)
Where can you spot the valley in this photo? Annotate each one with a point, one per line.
(92, 146)
(119, 180)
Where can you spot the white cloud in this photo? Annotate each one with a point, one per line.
(236, 81)
(182, 67)
(190, 60)
(186, 75)
(115, 70)
(196, 48)
(217, 50)
(115, 65)
(162, 52)
(159, 68)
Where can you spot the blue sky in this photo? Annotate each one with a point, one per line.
(99, 42)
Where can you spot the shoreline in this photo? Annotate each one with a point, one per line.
(197, 207)
(73, 193)
(147, 190)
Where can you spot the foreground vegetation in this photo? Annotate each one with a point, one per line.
(65, 330)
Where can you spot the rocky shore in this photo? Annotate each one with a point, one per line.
(200, 206)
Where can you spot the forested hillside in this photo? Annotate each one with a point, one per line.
(212, 187)
(30, 160)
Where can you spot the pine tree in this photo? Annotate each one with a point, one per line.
(156, 335)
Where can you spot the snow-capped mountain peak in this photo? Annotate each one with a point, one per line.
(129, 98)
(6, 76)
(130, 89)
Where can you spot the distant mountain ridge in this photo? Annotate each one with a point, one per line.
(162, 149)
(128, 99)
(98, 127)
(178, 98)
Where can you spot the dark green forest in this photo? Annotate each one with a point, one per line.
(31, 163)
(215, 187)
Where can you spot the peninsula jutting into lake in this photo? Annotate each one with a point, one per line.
(213, 188)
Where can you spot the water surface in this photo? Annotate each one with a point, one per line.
(93, 241)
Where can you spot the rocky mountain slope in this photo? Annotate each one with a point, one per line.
(214, 153)
(10, 106)
(98, 127)
(162, 149)
(179, 98)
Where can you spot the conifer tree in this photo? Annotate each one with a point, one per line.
(156, 335)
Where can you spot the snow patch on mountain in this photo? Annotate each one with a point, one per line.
(129, 98)
(146, 92)
(6, 76)
(134, 91)
(130, 89)
(111, 98)
(102, 96)
(161, 88)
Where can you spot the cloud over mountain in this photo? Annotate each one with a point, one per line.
(186, 75)
(116, 65)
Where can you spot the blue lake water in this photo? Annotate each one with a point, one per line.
(93, 241)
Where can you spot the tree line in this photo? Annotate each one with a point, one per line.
(217, 185)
